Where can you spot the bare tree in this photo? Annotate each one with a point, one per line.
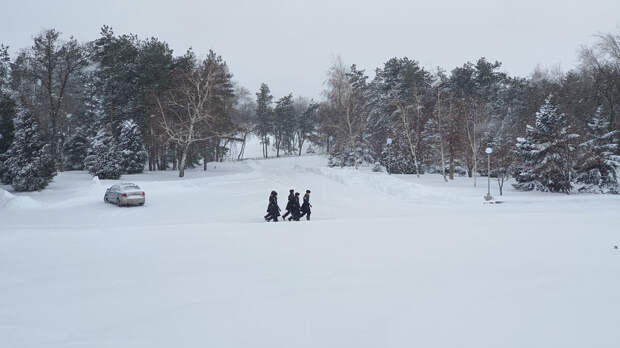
(346, 107)
(440, 133)
(185, 110)
(602, 62)
(244, 116)
(46, 70)
(407, 127)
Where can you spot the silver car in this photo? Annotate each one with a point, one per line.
(124, 194)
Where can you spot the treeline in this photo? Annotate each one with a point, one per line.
(554, 131)
(122, 104)
(111, 106)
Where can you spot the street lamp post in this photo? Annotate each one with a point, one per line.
(488, 197)
(389, 146)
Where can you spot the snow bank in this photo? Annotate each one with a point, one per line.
(5, 197)
(383, 183)
(11, 201)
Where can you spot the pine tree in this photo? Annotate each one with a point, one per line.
(600, 158)
(29, 164)
(7, 104)
(103, 160)
(131, 148)
(284, 123)
(264, 116)
(545, 154)
(76, 149)
(305, 124)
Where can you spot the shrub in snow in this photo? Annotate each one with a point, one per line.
(377, 167)
(103, 160)
(397, 157)
(131, 148)
(599, 159)
(350, 156)
(76, 149)
(29, 165)
(544, 155)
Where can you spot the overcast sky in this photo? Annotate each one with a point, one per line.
(290, 44)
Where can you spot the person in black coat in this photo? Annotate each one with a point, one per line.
(291, 198)
(305, 207)
(273, 210)
(295, 208)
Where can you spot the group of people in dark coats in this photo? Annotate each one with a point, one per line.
(293, 208)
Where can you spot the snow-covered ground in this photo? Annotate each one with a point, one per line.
(387, 261)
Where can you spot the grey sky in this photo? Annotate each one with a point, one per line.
(290, 44)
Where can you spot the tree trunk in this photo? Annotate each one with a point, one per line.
(500, 183)
(204, 157)
(439, 130)
(152, 152)
(327, 144)
(175, 157)
(245, 135)
(183, 160)
(61, 156)
(53, 144)
(155, 155)
(475, 169)
(352, 140)
(451, 164)
(162, 158)
(475, 156)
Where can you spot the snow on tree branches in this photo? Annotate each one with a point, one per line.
(103, 160)
(29, 164)
(545, 154)
(131, 148)
(600, 158)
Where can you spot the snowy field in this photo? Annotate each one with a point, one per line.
(387, 261)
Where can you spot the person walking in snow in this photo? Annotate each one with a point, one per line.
(305, 207)
(295, 208)
(273, 210)
(291, 198)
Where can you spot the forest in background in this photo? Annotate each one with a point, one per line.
(123, 104)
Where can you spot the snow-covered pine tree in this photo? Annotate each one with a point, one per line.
(397, 158)
(545, 154)
(599, 159)
(7, 102)
(29, 164)
(131, 148)
(76, 149)
(103, 160)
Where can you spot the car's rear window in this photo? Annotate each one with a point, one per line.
(131, 187)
